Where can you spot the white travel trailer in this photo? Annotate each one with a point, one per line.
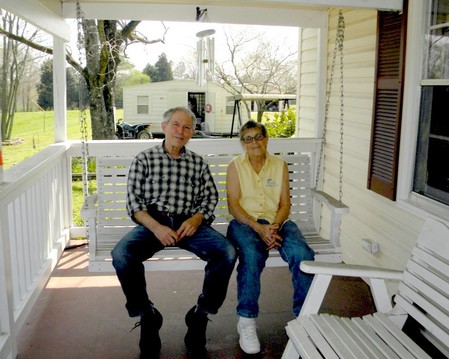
(146, 103)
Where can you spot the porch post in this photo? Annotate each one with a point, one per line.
(59, 89)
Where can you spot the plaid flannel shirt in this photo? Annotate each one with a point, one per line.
(182, 186)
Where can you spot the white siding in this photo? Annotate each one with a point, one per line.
(308, 83)
(371, 215)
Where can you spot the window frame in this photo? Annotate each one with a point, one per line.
(140, 106)
(414, 63)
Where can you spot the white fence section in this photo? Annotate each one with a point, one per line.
(35, 218)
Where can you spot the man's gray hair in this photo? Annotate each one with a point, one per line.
(169, 113)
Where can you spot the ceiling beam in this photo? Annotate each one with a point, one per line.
(311, 4)
(187, 13)
(40, 16)
(355, 4)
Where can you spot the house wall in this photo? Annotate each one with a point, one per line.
(308, 83)
(371, 215)
(167, 94)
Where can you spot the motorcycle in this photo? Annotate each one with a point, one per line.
(127, 131)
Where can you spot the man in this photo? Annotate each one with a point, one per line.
(172, 196)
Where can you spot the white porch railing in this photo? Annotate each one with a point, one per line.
(35, 219)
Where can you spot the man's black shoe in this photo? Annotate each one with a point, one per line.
(150, 342)
(195, 339)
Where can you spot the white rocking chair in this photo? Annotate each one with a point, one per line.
(423, 294)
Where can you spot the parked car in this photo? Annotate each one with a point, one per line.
(127, 131)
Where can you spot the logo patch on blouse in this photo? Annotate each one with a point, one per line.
(271, 183)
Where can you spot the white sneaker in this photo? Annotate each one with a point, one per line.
(249, 342)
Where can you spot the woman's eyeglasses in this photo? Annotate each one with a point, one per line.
(249, 139)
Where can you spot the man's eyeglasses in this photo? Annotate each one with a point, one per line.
(249, 139)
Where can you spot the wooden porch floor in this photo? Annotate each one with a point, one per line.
(82, 315)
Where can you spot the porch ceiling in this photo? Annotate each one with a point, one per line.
(373, 4)
(175, 10)
(49, 15)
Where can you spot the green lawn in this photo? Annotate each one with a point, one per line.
(36, 131)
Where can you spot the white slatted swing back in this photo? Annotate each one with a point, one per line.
(109, 221)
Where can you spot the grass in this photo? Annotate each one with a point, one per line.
(35, 130)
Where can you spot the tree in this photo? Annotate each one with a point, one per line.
(185, 69)
(14, 62)
(126, 77)
(161, 71)
(76, 89)
(103, 43)
(151, 72)
(164, 69)
(45, 87)
(26, 94)
(257, 66)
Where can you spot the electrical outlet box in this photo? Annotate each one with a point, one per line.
(370, 246)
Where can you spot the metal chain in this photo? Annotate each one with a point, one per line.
(341, 37)
(338, 47)
(82, 106)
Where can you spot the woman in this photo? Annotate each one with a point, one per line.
(259, 200)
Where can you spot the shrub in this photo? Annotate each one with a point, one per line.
(281, 125)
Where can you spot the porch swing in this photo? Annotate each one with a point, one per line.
(107, 219)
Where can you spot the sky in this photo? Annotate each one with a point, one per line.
(181, 39)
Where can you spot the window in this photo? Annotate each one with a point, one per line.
(142, 105)
(431, 176)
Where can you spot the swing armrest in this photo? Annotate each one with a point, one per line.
(336, 208)
(89, 208)
(333, 204)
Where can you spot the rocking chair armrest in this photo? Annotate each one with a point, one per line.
(376, 278)
(89, 208)
(334, 204)
(350, 270)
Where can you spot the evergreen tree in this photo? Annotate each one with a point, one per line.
(45, 87)
(151, 72)
(161, 71)
(73, 92)
(164, 69)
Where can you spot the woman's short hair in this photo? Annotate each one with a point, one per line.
(252, 124)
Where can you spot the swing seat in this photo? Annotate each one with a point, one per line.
(108, 220)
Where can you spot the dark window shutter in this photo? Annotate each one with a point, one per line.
(387, 109)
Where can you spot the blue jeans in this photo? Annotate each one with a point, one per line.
(252, 252)
(140, 244)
